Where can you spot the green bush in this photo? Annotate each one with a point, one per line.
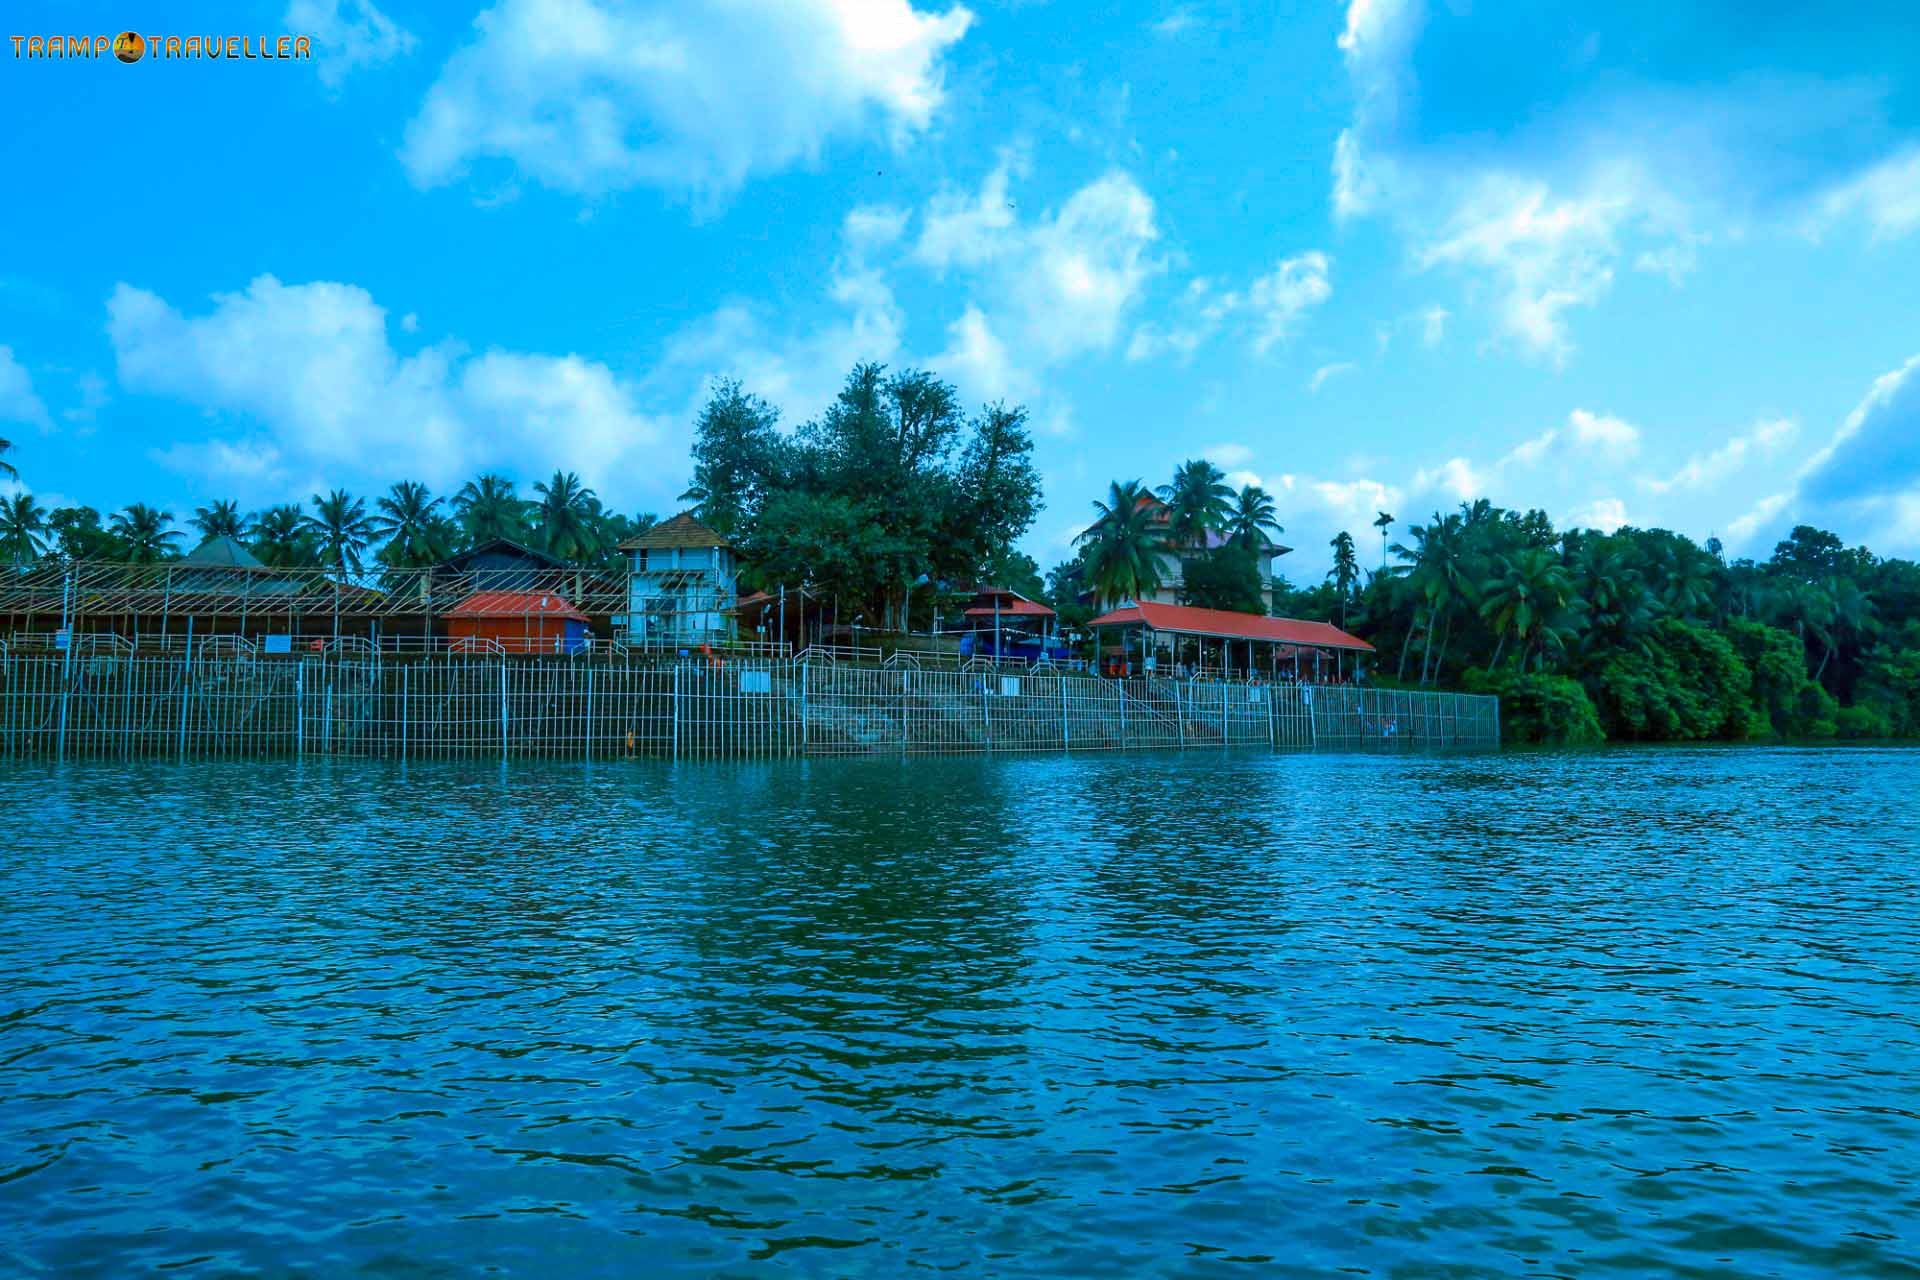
(1539, 708)
(1787, 701)
(1863, 722)
(1687, 684)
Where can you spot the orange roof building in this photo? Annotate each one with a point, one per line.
(518, 622)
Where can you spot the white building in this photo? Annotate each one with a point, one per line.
(682, 584)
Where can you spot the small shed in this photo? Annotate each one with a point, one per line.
(518, 622)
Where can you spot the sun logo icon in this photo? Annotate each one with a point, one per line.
(129, 46)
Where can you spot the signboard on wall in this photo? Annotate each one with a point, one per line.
(278, 644)
(756, 682)
(1009, 686)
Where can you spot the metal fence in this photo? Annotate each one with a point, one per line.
(105, 704)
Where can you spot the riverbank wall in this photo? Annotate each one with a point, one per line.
(223, 705)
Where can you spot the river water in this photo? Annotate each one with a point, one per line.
(1631, 1013)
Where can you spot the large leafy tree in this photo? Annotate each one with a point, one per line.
(341, 529)
(222, 517)
(409, 520)
(78, 534)
(1125, 549)
(23, 526)
(567, 515)
(739, 458)
(892, 488)
(1199, 501)
(143, 534)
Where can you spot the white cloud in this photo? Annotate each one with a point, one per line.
(1763, 512)
(978, 361)
(1886, 197)
(1587, 439)
(1326, 371)
(1612, 438)
(18, 401)
(1546, 254)
(1273, 307)
(1281, 298)
(1604, 514)
(1063, 283)
(312, 366)
(1181, 19)
(346, 34)
(872, 226)
(1433, 325)
(1227, 455)
(598, 95)
(1705, 470)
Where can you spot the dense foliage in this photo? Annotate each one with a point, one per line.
(891, 489)
(1663, 639)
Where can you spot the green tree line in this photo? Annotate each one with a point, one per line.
(406, 527)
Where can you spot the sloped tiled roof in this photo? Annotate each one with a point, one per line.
(1236, 626)
(682, 530)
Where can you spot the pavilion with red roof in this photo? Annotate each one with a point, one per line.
(1232, 643)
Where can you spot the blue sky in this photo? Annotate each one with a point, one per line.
(1628, 264)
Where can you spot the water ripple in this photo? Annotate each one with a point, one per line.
(1619, 1014)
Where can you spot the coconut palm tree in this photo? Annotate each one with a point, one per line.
(340, 528)
(1440, 578)
(1523, 597)
(488, 508)
(222, 517)
(280, 537)
(567, 514)
(1849, 617)
(6, 468)
(143, 534)
(1383, 521)
(1198, 501)
(410, 523)
(22, 522)
(1346, 570)
(1253, 517)
(1125, 549)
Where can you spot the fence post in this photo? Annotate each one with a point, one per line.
(1179, 716)
(1225, 708)
(503, 708)
(186, 681)
(676, 711)
(300, 707)
(405, 682)
(986, 713)
(586, 731)
(1066, 738)
(803, 708)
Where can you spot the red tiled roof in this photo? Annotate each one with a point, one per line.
(1234, 626)
(515, 604)
(1011, 609)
